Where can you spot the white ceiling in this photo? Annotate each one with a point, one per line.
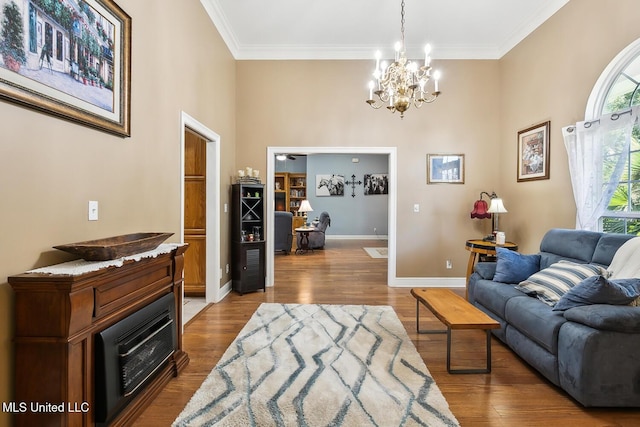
(355, 29)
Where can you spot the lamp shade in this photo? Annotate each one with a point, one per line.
(305, 206)
(480, 210)
(497, 206)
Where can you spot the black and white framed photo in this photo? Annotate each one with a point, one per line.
(329, 185)
(376, 183)
(445, 168)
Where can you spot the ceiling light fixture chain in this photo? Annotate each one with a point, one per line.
(402, 22)
(402, 83)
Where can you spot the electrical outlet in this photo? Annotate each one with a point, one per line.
(375, 230)
(416, 208)
(227, 268)
(449, 264)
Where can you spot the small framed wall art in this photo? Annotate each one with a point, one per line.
(533, 152)
(445, 168)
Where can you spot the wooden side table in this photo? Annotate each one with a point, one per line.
(482, 247)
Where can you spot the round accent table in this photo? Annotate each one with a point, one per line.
(304, 239)
(482, 247)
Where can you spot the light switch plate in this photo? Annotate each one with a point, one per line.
(93, 210)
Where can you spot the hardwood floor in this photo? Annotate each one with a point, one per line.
(512, 395)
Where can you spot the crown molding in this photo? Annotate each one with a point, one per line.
(291, 52)
(546, 11)
(223, 26)
(366, 52)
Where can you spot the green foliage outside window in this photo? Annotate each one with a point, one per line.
(623, 212)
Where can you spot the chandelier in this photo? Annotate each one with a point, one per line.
(403, 83)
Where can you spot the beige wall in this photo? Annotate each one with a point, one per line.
(549, 76)
(51, 168)
(322, 103)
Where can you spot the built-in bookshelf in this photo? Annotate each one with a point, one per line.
(290, 190)
(297, 191)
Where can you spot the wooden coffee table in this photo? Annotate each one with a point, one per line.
(456, 313)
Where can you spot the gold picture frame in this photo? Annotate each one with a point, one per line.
(445, 168)
(533, 152)
(71, 60)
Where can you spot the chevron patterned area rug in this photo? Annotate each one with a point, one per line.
(319, 365)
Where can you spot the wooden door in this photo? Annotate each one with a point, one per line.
(195, 197)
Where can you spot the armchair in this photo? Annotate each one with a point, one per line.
(282, 237)
(317, 238)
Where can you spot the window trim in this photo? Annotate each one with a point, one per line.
(596, 100)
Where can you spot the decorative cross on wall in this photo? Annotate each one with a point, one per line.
(353, 184)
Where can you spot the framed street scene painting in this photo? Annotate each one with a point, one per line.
(533, 152)
(68, 58)
(445, 168)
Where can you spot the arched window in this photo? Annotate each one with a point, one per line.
(618, 89)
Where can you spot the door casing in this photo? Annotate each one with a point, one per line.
(213, 272)
(392, 199)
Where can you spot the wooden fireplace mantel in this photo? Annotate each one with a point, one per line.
(57, 317)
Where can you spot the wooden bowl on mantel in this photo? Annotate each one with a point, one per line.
(115, 247)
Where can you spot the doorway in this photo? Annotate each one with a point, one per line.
(195, 220)
(201, 228)
(392, 199)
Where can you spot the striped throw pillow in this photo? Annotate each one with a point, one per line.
(550, 284)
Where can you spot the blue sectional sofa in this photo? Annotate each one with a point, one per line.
(591, 351)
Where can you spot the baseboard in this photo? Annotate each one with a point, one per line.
(428, 282)
(224, 291)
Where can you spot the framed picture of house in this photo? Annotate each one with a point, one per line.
(329, 185)
(70, 59)
(533, 152)
(445, 168)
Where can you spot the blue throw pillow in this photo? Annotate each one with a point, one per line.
(513, 267)
(600, 290)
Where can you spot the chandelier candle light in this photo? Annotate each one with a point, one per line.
(403, 83)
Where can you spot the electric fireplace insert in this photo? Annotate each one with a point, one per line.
(129, 353)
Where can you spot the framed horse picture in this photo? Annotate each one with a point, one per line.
(329, 185)
(376, 183)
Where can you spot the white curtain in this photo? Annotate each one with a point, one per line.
(589, 144)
